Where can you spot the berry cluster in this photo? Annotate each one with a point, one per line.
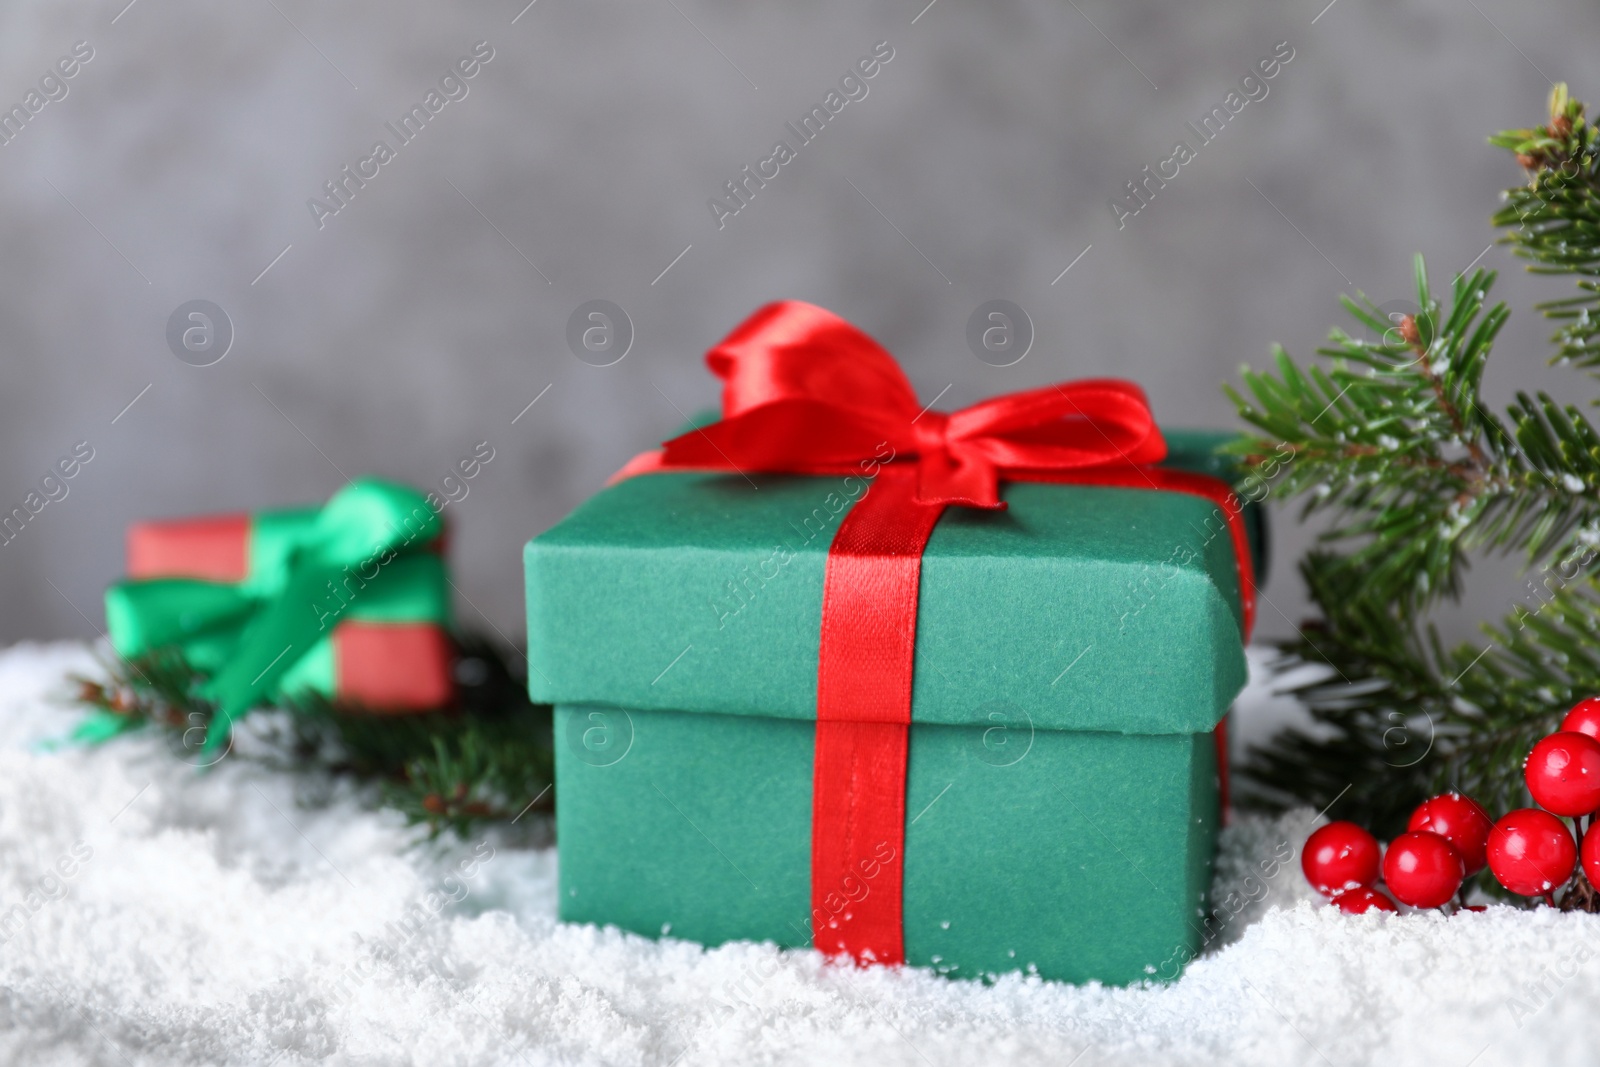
(1446, 840)
(1450, 837)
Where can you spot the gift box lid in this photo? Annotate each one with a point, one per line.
(1081, 607)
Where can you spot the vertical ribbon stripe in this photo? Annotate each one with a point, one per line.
(864, 678)
(393, 666)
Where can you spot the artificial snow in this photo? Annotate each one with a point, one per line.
(154, 914)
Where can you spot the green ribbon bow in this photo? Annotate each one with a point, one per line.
(363, 555)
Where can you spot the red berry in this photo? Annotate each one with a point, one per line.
(1589, 852)
(1361, 901)
(1563, 773)
(1584, 718)
(1423, 870)
(1340, 857)
(1460, 821)
(1531, 852)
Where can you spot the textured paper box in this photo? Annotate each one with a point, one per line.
(1073, 655)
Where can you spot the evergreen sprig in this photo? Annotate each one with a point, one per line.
(1555, 219)
(487, 759)
(1391, 436)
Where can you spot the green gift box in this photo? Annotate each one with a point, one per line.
(348, 602)
(1073, 656)
(843, 671)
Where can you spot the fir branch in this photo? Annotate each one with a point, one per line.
(486, 760)
(1393, 439)
(1556, 218)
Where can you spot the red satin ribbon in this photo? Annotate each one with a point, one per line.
(804, 392)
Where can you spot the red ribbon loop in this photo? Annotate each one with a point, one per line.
(805, 392)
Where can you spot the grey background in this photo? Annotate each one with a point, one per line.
(408, 328)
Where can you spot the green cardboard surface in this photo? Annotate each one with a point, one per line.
(1081, 855)
(1093, 608)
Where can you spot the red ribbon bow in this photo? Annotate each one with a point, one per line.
(804, 392)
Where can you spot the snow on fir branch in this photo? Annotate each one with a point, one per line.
(1390, 436)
